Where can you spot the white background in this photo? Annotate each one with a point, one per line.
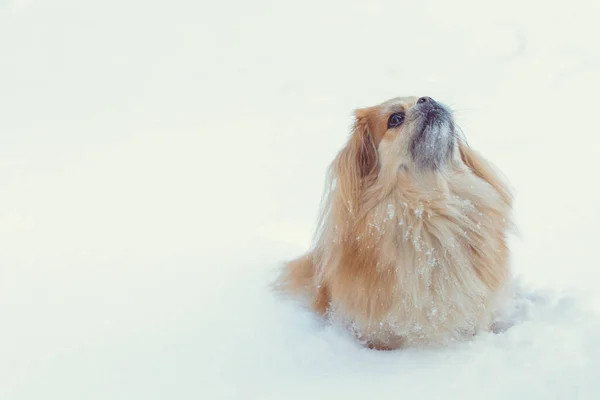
(158, 160)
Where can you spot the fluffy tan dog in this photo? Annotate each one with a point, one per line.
(411, 245)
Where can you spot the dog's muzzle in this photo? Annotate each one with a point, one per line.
(433, 142)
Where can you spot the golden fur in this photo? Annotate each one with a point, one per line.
(405, 256)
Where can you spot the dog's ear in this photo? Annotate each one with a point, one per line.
(484, 170)
(357, 163)
(362, 137)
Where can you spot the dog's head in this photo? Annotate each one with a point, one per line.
(415, 136)
(409, 133)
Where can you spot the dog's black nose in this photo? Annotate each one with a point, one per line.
(425, 99)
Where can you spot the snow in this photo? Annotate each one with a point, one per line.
(158, 161)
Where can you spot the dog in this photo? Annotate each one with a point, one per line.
(411, 245)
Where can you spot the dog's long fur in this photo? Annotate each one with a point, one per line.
(404, 256)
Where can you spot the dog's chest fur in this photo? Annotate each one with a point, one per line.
(428, 246)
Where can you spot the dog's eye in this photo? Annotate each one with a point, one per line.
(395, 120)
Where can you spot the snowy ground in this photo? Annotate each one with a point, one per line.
(159, 159)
